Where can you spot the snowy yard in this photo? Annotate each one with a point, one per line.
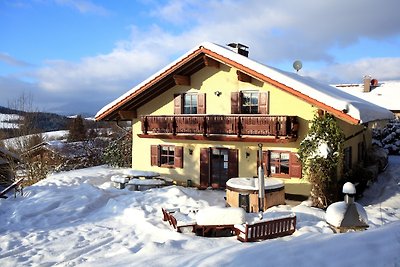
(78, 218)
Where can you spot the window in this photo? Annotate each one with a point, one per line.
(167, 156)
(361, 152)
(250, 102)
(347, 158)
(279, 163)
(190, 104)
(283, 164)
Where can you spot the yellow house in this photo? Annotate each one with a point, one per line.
(200, 120)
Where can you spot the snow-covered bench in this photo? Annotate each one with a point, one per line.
(266, 229)
(119, 181)
(179, 220)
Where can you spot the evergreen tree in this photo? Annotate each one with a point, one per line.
(77, 130)
(321, 155)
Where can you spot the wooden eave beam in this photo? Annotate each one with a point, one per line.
(210, 62)
(243, 77)
(181, 79)
(127, 114)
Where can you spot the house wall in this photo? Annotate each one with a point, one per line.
(208, 80)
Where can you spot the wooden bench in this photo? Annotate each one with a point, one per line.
(266, 229)
(178, 220)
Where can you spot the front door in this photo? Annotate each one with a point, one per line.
(217, 166)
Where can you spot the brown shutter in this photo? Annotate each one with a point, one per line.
(204, 167)
(295, 166)
(178, 104)
(154, 155)
(201, 103)
(235, 102)
(178, 157)
(263, 102)
(233, 164)
(265, 162)
(267, 169)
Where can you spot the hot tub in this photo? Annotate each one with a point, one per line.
(243, 192)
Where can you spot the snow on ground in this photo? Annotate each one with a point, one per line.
(47, 136)
(77, 218)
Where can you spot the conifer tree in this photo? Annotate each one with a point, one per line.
(77, 130)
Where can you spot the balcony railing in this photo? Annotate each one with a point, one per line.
(206, 125)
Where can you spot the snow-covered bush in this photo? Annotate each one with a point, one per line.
(388, 137)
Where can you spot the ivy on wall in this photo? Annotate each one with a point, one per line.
(321, 156)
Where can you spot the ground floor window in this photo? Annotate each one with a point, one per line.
(168, 156)
(279, 163)
(284, 164)
(347, 157)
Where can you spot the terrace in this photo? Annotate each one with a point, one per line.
(221, 127)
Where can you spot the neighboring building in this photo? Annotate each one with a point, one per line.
(200, 119)
(60, 156)
(8, 162)
(385, 94)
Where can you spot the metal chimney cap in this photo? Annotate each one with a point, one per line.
(349, 188)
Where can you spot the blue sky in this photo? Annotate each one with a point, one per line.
(75, 56)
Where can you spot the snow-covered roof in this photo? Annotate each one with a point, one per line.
(386, 94)
(321, 95)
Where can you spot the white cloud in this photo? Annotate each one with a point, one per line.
(9, 60)
(379, 68)
(276, 31)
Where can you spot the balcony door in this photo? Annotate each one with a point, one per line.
(217, 166)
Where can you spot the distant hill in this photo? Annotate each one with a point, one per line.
(42, 121)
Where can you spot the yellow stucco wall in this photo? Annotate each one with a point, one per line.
(208, 80)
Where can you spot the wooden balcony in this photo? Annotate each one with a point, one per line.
(221, 127)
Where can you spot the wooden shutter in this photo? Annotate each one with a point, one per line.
(178, 157)
(155, 155)
(178, 104)
(235, 103)
(204, 167)
(201, 103)
(233, 163)
(265, 162)
(295, 166)
(263, 102)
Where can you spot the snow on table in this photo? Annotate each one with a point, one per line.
(247, 183)
(138, 173)
(220, 216)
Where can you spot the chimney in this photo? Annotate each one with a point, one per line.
(240, 49)
(349, 191)
(367, 84)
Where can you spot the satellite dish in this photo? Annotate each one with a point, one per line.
(297, 65)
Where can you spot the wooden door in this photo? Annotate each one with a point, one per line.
(217, 166)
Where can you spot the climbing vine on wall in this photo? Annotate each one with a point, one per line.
(321, 156)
